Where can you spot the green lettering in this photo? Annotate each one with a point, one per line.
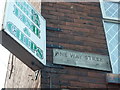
(9, 26)
(18, 34)
(39, 53)
(33, 47)
(22, 37)
(26, 41)
(26, 32)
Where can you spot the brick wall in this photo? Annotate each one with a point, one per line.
(81, 30)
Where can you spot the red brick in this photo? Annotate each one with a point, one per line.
(79, 84)
(69, 77)
(96, 75)
(97, 85)
(82, 30)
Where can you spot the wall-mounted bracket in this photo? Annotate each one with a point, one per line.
(53, 29)
(54, 46)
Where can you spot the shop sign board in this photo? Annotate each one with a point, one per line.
(26, 27)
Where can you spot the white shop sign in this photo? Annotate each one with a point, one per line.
(27, 27)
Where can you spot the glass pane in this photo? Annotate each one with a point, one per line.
(111, 47)
(114, 42)
(113, 39)
(108, 37)
(115, 53)
(113, 58)
(115, 69)
(110, 9)
(108, 26)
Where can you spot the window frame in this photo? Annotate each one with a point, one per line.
(108, 19)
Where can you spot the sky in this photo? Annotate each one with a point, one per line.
(4, 57)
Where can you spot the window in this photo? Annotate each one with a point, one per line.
(111, 22)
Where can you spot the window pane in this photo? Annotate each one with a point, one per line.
(115, 69)
(113, 58)
(110, 9)
(112, 37)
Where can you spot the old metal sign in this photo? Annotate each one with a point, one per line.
(80, 59)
